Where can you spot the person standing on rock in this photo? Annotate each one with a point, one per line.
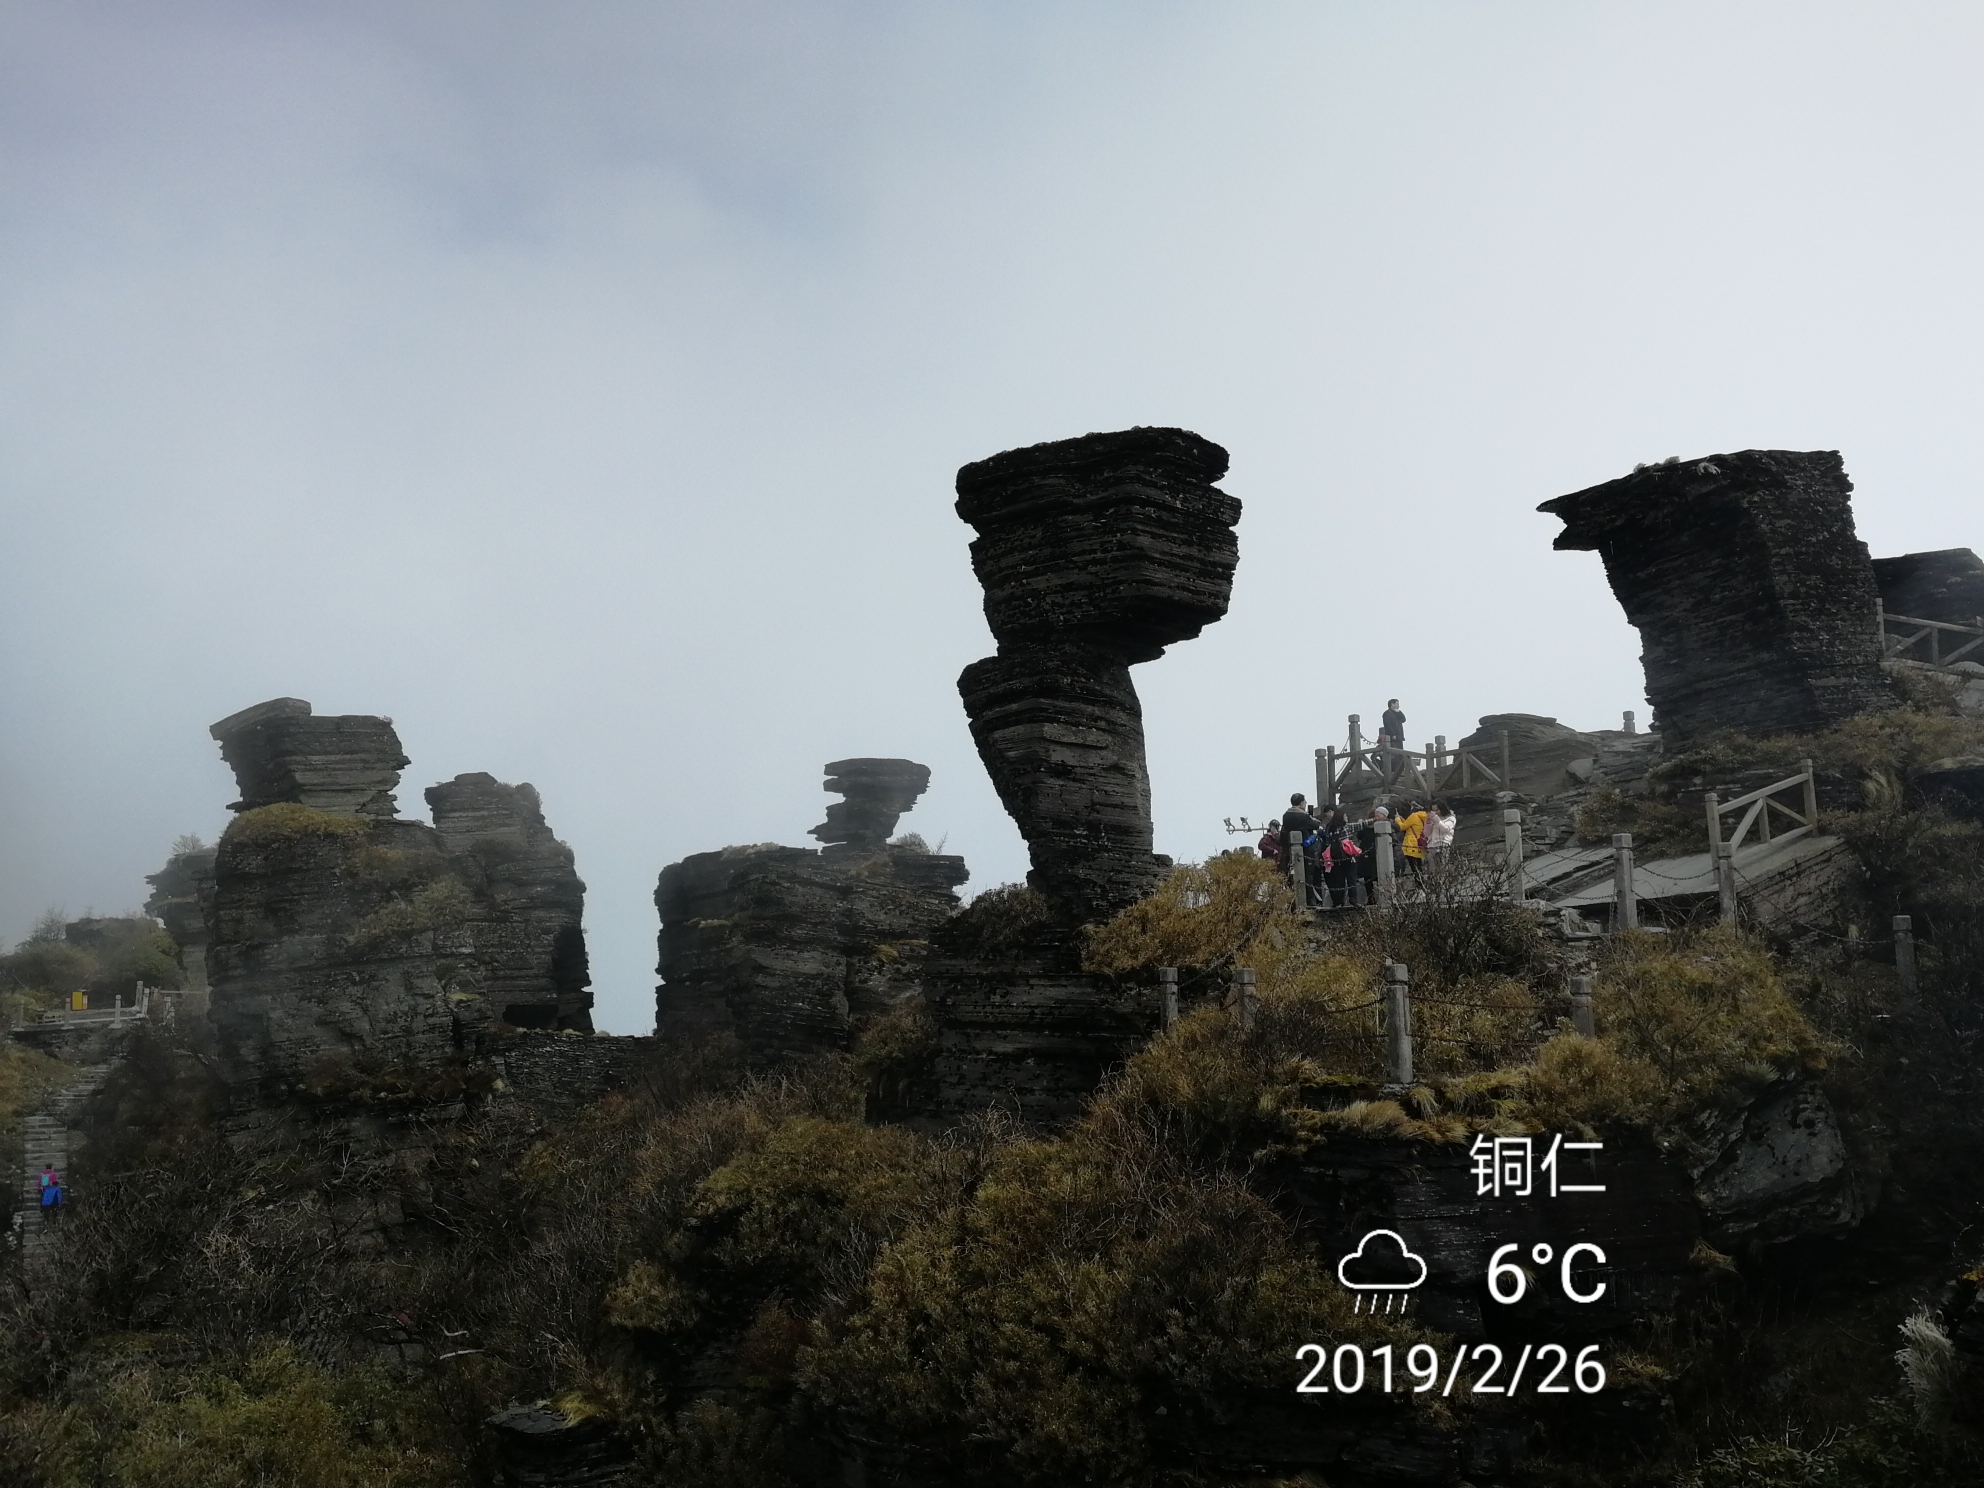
(1391, 727)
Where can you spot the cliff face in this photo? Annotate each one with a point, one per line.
(338, 932)
(787, 948)
(1095, 553)
(1753, 597)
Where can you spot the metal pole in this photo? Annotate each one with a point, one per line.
(1512, 845)
(1398, 1023)
(1243, 998)
(1904, 957)
(1507, 783)
(1167, 992)
(1625, 898)
(1582, 1022)
(1384, 848)
(1325, 783)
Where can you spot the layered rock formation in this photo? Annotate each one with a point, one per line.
(1753, 597)
(529, 942)
(342, 939)
(1095, 554)
(877, 792)
(786, 949)
(182, 899)
(281, 752)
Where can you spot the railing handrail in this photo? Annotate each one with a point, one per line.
(1759, 804)
(1893, 619)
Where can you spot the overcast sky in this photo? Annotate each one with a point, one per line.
(582, 385)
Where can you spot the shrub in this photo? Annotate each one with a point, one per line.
(1083, 1285)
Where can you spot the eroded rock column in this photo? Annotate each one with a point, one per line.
(1095, 553)
(1753, 597)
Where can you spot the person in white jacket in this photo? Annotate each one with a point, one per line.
(1439, 834)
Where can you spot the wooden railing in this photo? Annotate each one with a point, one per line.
(1756, 806)
(1432, 771)
(1903, 638)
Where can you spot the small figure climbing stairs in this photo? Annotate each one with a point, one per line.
(45, 1138)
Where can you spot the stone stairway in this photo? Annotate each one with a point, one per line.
(45, 1137)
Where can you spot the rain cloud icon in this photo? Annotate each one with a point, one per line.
(1382, 1262)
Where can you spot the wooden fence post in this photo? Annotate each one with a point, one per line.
(1243, 998)
(1398, 1023)
(1625, 895)
(1811, 795)
(1167, 993)
(1298, 867)
(1582, 1022)
(1356, 735)
(1512, 846)
(1383, 844)
(1904, 957)
(1725, 882)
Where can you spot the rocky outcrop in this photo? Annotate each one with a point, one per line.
(878, 792)
(1947, 585)
(182, 900)
(530, 942)
(1779, 1169)
(344, 942)
(281, 752)
(1753, 597)
(786, 949)
(1095, 554)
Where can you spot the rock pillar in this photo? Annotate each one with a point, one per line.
(1754, 600)
(1095, 554)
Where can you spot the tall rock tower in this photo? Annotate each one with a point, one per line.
(1754, 599)
(1095, 553)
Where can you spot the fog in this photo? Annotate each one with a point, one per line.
(582, 387)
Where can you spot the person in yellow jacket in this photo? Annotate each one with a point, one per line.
(1412, 829)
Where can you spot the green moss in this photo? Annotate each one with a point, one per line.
(268, 826)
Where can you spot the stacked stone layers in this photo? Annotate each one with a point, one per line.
(1752, 595)
(340, 936)
(785, 948)
(1031, 1035)
(1095, 553)
(182, 899)
(531, 944)
(280, 752)
(878, 792)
